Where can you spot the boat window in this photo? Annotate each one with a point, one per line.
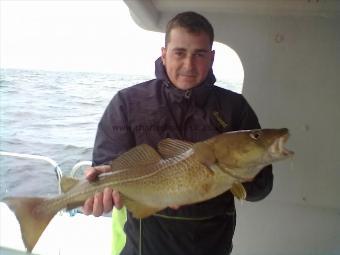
(228, 68)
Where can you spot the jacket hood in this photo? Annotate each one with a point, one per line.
(199, 93)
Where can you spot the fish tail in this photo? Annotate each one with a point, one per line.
(32, 217)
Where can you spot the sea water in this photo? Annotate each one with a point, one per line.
(53, 114)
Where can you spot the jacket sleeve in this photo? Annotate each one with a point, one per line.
(114, 135)
(262, 185)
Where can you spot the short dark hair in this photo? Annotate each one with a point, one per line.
(193, 22)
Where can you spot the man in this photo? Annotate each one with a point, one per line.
(181, 103)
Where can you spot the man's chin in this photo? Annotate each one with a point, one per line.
(185, 85)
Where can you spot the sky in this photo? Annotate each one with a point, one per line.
(84, 35)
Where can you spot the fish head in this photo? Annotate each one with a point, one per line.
(251, 148)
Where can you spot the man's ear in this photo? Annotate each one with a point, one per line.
(163, 55)
(212, 57)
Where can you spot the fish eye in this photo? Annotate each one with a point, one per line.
(255, 135)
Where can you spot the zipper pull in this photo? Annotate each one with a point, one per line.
(187, 94)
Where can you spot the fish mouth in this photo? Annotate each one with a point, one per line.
(278, 149)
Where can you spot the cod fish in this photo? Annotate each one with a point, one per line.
(149, 180)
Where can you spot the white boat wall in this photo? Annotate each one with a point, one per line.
(290, 51)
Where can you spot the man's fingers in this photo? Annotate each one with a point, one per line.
(103, 168)
(107, 200)
(88, 206)
(91, 173)
(98, 206)
(102, 202)
(118, 203)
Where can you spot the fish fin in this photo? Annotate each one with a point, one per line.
(140, 155)
(32, 219)
(215, 168)
(169, 147)
(139, 210)
(238, 191)
(204, 153)
(67, 183)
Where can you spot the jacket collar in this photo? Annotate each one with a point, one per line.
(198, 94)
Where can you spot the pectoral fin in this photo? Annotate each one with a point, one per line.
(205, 155)
(238, 191)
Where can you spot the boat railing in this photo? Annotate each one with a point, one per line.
(58, 171)
(78, 166)
(10, 242)
(56, 166)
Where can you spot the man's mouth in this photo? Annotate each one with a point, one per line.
(189, 75)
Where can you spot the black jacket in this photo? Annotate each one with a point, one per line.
(154, 110)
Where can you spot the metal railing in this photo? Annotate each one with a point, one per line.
(57, 169)
(56, 166)
(77, 166)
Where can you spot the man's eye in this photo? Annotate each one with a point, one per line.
(200, 55)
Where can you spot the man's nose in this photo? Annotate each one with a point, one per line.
(189, 62)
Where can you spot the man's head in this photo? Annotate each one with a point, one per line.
(187, 55)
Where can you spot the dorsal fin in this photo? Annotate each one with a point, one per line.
(140, 155)
(67, 183)
(173, 147)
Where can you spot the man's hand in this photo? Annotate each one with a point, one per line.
(102, 202)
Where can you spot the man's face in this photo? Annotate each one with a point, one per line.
(187, 58)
